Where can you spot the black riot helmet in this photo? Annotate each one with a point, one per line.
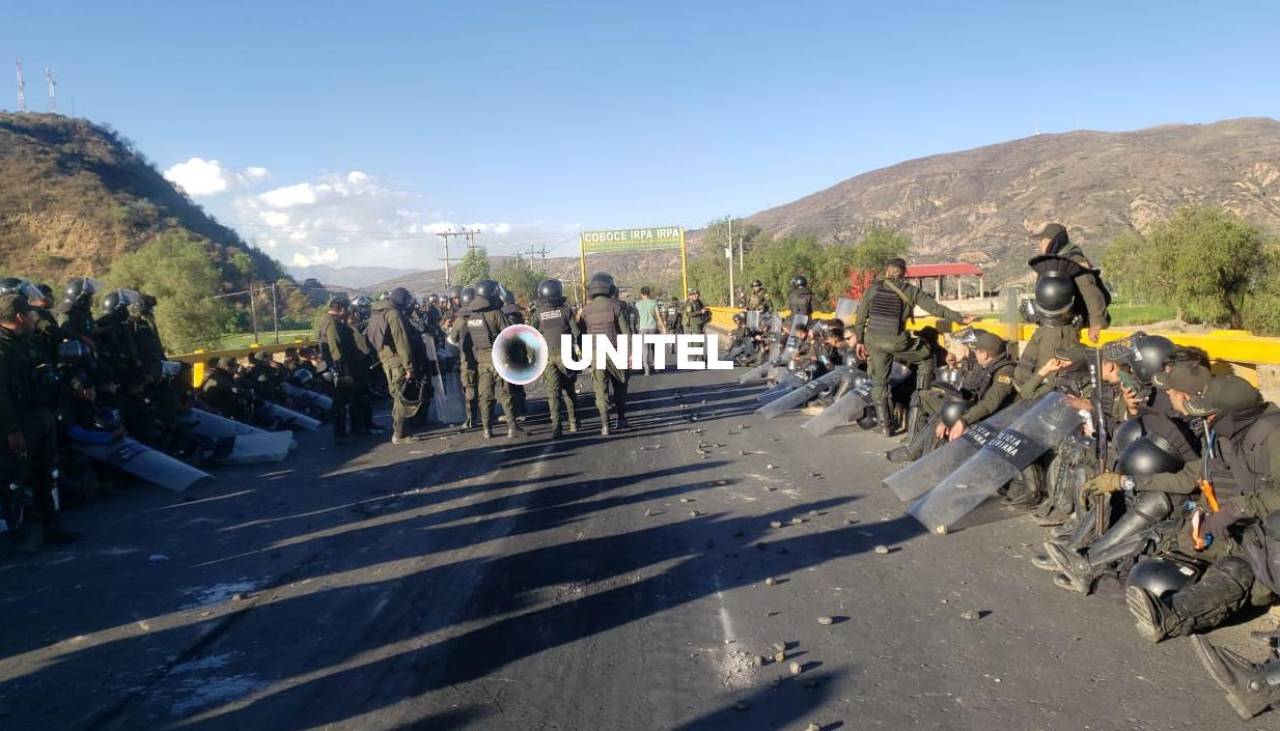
(400, 298)
(116, 302)
(1161, 577)
(339, 301)
(1128, 433)
(1055, 294)
(601, 285)
(489, 291)
(739, 317)
(107, 420)
(1152, 454)
(757, 284)
(433, 299)
(11, 285)
(453, 292)
(1151, 353)
(362, 302)
(508, 297)
(79, 291)
(952, 410)
(799, 281)
(466, 294)
(551, 291)
(73, 352)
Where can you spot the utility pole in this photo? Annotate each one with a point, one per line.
(53, 90)
(728, 253)
(22, 89)
(253, 313)
(275, 312)
(444, 235)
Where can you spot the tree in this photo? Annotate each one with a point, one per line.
(774, 262)
(473, 267)
(177, 271)
(1262, 304)
(520, 280)
(1212, 256)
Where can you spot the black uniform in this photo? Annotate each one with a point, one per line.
(553, 320)
(27, 402)
(347, 355)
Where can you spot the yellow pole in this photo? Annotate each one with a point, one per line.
(582, 265)
(684, 267)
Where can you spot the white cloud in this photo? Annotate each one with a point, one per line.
(358, 219)
(200, 177)
(302, 194)
(328, 256)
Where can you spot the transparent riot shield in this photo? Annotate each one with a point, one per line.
(793, 343)
(259, 448)
(920, 476)
(1001, 459)
(308, 398)
(848, 408)
(142, 461)
(802, 394)
(789, 382)
(755, 374)
(845, 309)
(753, 319)
(288, 418)
(214, 426)
(447, 405)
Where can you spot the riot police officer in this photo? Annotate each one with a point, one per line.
(479, 326)
(515, 316)
(117, 351)
(467, 356)
(75, 312)
(800, 299)
(146, 338)
(553, 318)
(45, 335)
(392, 338)
(880, 326)
(347, 357)
(604, 315)
(28, 396)
(696, 314)
(758, 299)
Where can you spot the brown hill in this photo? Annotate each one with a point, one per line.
(976, 205)
(75, 196)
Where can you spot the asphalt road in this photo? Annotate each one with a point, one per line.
(590, 583)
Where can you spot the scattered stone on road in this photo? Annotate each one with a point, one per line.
(824, 620)
(795, 668)
(969, 615)
(775, 524)
(770, 581)
(882, 550)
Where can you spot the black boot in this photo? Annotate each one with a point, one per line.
(884, 417)
(1251, 689)
(1223, 589)
(913, 449)
(1125, 539)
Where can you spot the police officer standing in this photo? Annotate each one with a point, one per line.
(347, 357)
(389, 333)
(515, 316)
(1068, 292)
(553, 318)
(605, 315)
(480, 325)
(882, 336)
(75, 312)
(27, 416)
(800, 300)
(696, 314)
(758, 300)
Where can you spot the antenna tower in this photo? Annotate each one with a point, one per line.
(22, 89)
(53, 90)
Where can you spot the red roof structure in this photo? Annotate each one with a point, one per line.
(925, 271)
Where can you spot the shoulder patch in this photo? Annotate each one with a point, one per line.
(1005, 379)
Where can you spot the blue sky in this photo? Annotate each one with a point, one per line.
(346, 133)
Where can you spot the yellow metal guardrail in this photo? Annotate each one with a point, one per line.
(198, 358)
(1245, 354)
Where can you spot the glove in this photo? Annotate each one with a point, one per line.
(1104, 484)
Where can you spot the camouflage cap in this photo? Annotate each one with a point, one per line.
(1189, 378)
(1224, 393)
(262, 356)
(1075, 352)
(1050, 231)
(13, 304)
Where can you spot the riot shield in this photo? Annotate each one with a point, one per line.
(447, 405)
(793, 343)
(213, 426)
(775, 337)
(1001, 459)
(267, 446)
(308, 398)
(800, 395)
(920, 476)
(845, 309)
(846, 409)
(142, 461)
(288, 418)
(755, 374)
(753, 319)
(789, 382)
